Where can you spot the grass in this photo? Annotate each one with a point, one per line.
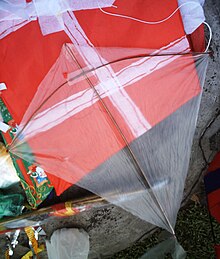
(193, 232)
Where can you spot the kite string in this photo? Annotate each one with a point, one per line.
(159, 21)
(210, 36)
(143, 21)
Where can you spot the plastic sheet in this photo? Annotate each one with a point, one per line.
(11, 205)
(167, 247)
(68, 243)
(120, 123)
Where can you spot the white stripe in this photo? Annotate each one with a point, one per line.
(120, 99)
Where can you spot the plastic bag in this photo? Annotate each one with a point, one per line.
(11, 205)
(68, 243)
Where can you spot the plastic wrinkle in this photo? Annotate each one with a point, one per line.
(68, 243)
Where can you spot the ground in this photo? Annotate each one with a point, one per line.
(193, 231)
(111, 229)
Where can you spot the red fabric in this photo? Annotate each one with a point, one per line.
(197, 39)
(215, 163)
(24, 171)
(7, 137)
(59, 185)
(107, 31)
(59, 206)
(214, 197)
(214, 204)
(217, 251)
(27, 56)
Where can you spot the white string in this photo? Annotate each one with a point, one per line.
(147, 22)
(160, 21)
(210, 36)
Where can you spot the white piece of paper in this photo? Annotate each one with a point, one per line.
(3, 86)
(4, 127)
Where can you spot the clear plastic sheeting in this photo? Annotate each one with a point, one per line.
(167, 247)
(11, 205)
(68, 243)
(120, 123)
(14, 14)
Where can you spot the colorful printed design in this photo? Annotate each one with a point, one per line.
(38, 175)
(212, 187)
(29, 254)
(68, 209)
(32, 239)
(33, 179)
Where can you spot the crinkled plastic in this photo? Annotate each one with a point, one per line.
(7, 171)
(120, 123)
(68, 243)
(11, 205)
(167, 247)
